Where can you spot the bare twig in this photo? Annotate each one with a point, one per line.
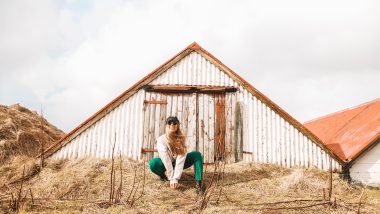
(133, 184)
(143, 185)
(120, 188)
(112, 178)
(222, 178)
(216, 179)
(207, 194)
(42, 141)
(280, 202)
(133, 196)
(289, 208)
(31, 195)
(19, 194)
(15, 203)
(360, 200)
(330, 180)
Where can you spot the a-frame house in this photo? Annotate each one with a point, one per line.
(222, 115)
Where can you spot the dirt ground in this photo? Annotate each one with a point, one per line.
(83, 186)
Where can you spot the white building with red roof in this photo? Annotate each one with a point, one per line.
(353, 135)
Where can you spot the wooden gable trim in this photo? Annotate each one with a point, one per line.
(162, 102)
(189, 89)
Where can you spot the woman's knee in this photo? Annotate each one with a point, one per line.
(197, 155)
(155, 163)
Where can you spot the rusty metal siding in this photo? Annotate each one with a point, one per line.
(268, 138)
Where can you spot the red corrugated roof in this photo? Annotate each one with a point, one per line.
(349, 132)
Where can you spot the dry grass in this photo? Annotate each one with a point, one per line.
(20, 132)
(83, 186)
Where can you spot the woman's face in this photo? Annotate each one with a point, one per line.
(172, 127)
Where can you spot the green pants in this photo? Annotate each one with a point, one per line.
(192, 158)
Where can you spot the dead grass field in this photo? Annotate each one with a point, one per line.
(22, 131)
(83, 186)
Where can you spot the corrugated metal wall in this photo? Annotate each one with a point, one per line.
(268, 138)
(122, 127)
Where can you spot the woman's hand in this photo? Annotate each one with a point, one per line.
(174, 185)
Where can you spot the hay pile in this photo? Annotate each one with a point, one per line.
(20, 132)
(84, 186)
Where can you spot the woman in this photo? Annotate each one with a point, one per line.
(173, 157)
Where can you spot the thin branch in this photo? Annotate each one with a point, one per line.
(281, 202)
(112, 181)
(143, 185)
(31, 195)
(133, 185)
(119, 190)
(290, 208)
(222, 180)
(42, 141)
(360, 200)
(330, 180)
(19, 194)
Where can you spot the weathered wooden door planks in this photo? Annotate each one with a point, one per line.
(154, 121)
(202, 116)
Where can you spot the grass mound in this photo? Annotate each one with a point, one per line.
(21, 132)
(83, 185)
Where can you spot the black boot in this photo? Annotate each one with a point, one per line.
(164, 178)
(200, 186)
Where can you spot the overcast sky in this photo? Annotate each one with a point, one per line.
(72, 57)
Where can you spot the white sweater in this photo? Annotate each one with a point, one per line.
(167, 158)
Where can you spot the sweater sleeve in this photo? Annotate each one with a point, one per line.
(180, 162)
(163, 153)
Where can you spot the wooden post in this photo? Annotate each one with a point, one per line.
(238, 147)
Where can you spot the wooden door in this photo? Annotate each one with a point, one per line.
(202, 118)
(184, 106)
(159, 106)
(211, 122)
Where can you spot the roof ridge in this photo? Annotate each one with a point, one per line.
(343, 110)
(194, 46)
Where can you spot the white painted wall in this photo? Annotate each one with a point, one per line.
(366, 168)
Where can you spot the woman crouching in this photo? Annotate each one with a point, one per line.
(173, 157)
